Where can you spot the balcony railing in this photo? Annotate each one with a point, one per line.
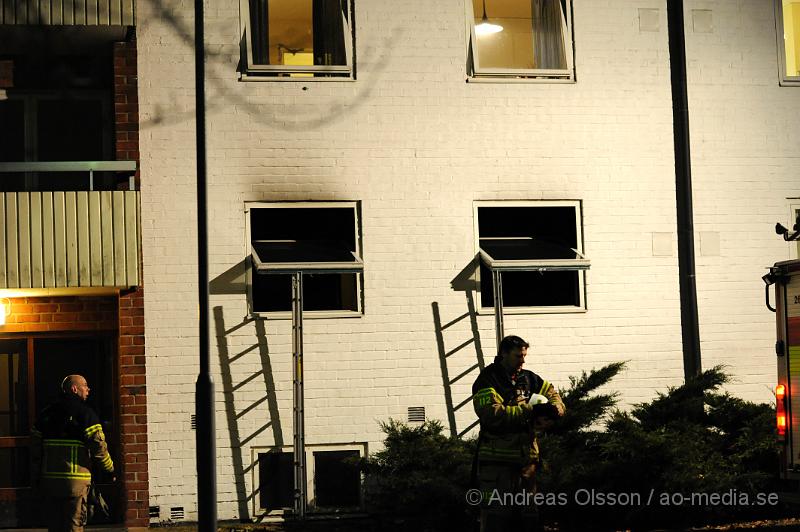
(65, 239)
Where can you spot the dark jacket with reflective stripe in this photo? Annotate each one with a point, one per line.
(506, 419)
(66, 438)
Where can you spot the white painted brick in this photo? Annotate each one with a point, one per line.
(417, 146)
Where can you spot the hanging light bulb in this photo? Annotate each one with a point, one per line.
(486, 27)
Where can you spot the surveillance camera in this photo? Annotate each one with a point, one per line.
(780, 229)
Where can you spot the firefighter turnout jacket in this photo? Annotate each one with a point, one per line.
(66, 438)
(507, 421)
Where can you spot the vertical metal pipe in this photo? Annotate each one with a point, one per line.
(497, 288)
(204, 387)
(690, 330)
(299, 443)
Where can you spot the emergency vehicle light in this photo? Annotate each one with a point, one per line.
(780, 403)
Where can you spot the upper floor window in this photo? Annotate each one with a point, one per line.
(787, 15)
(521, 38)
(298, 38)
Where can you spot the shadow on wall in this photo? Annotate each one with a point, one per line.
(232, 282)
(455, 356)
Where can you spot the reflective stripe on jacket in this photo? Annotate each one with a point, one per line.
(507, 433)
(66, 439)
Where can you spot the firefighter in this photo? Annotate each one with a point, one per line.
(512, 405)
(66, 439)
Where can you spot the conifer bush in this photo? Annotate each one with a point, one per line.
(689, 439)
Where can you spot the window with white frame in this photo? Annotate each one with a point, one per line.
(333, 478)
(321, 239)
(518, 237)
(298, 38)
(520, 38)
(787, 19)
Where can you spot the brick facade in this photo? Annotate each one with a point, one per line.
(133, 406)
(61, 314)
(133, 388)
(126, 103)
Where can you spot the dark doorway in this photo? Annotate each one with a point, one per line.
(31, 371)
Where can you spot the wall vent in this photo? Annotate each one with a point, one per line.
(155, 512)
(193, 422)
(176, 512)
(416, 414)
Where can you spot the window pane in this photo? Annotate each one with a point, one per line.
(327, 291)
(337, 482)
(791, 34)
(14, 467)
(298, 32)
(13, 389)
(12, 134)
(532, 289)
(555, 224)
(532, 35)
(275, 480)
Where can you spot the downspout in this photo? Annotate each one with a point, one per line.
(690, 331)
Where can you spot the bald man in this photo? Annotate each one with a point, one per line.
(66, 439)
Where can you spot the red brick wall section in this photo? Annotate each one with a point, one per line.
(133, 407)
(126, 103)
(38, 314)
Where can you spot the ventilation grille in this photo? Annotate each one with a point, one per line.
(176, 512)
(416, 414)
(193, 422)
(155, 512)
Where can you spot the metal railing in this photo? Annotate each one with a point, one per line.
(73, 166)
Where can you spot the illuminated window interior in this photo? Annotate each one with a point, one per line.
(791, 35)
(534, 35)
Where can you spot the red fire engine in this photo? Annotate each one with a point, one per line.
(785, 276)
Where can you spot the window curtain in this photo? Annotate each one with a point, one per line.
(259, 27)
(548, 34)
(329, 32)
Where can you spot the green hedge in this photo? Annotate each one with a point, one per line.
(689, 439)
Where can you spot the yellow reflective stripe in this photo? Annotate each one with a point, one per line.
(486, 396)
(93, 429)
(67, 475)
(108, 464)
(545, 385)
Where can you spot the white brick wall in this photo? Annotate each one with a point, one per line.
(417, 146)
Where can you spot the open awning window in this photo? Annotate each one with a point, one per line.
(317, 256)
(530, 254)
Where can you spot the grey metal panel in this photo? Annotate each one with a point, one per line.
(91, 11)
(37, 264)
(83, 238)
(95, 244)
(44, 10)
(132, 237)
(68, 12)
(103, 9)
(80, 9)
(69, 166)
(71, 210)
(24, 238)
(118, 208)
(3, 279)
(107, 237)
(60, 239)
(12, 247)
(48, 247)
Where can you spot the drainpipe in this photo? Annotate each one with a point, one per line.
(690, 331)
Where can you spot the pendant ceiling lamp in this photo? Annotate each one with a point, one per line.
(486, 27)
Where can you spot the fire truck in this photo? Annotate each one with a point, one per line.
(785, 277)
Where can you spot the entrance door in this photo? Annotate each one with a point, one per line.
(31, 371)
